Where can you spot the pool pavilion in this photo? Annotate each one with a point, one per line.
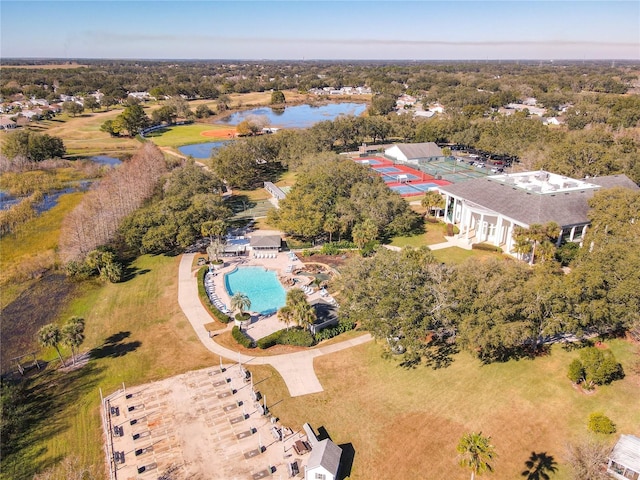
(265, 246)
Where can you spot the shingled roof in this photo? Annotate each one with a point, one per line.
(325, 454)
(527, 207)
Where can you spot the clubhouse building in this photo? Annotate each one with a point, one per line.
(487, 209)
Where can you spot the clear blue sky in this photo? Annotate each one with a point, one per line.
(420, 30)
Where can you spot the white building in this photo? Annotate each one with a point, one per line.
(412, 152)
(487, 209)
(624, 461)
(324, 461)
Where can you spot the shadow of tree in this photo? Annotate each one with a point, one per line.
(42, 400)
(114, 346)
(540, 466)
(440, 354)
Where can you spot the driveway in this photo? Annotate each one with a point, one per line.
(296, 369)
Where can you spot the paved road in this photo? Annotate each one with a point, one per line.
(296, 369)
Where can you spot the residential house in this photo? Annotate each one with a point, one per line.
(7, 124)
(488, 209)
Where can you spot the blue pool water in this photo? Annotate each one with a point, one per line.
(261, 286)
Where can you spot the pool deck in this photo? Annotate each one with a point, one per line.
(296, 369)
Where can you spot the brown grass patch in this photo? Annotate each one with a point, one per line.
(220, 133)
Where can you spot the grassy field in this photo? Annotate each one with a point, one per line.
(136, 333)
(434, 233)
(187, 134)
(82, 135)
(405, 423)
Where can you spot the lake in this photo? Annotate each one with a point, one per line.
(297, 116)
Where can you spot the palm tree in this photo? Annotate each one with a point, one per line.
(241, 302)
(73, 335)
(432, 199)
(476, 452)
(50, 336)
(286, 314)
(302, 313)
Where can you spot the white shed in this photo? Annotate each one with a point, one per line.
(624, 461)
(404, 152)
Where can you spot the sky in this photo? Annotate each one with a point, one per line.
(327, 30)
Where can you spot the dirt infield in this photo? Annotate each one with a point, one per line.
(220, 133)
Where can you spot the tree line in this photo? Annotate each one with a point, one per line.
(96, 220)
(496, 308)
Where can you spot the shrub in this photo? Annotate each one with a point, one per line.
(307, 253)
(296, 336)
(239, 336)
(329, 249)
(485, 247)
(327, 333)
(600, 367)
(600, 423)
(566, 253)
(270, 340)
(576, 371)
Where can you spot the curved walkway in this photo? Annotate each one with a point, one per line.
(296, 369)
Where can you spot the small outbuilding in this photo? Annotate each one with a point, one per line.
(324, 461)
(624, 461)
(7, 124)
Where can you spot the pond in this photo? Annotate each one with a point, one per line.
(49, 200)
(298, 116)
(201, 150)
(106, 160)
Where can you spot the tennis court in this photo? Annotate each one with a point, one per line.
(387, 170)
(372, 161)
(451, 170)
(394, 178)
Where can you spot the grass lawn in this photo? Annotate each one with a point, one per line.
(405, 423)
(179, 135)
(82, 135)
(434, 234)
(458, 255)
(138, 334)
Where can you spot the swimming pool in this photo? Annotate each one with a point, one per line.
(261, 286)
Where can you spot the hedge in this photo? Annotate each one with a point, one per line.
(204, 298)
(327, 333)
(239, 336)
(486, 247)
(293, 336)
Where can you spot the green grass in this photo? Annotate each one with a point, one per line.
(187, 134)
(405, 423)
(434, 233)
(155, 341)
(455, 255)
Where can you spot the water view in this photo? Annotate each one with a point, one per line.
(106, 160)
(200, 150)
(298, 116)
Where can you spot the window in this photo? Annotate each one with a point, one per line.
(320, 476)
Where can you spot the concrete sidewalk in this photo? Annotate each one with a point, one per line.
(296, 369)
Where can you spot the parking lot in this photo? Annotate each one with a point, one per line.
(209, 423)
